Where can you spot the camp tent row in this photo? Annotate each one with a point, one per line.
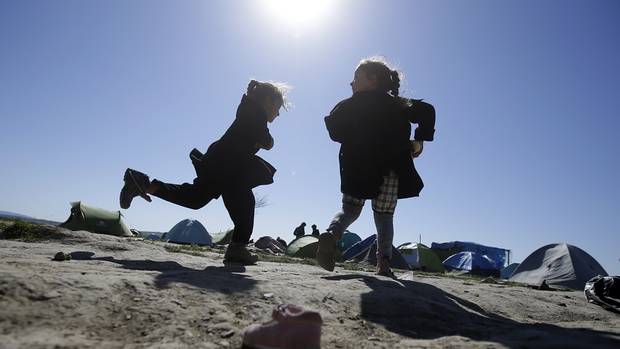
(556, 265)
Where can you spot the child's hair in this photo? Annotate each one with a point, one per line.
(388, 79)
(274, 90)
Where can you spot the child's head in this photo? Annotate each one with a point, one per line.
(374, 74)
(271, 95)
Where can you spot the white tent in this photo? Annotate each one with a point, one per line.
(189, 231)
(558, 265)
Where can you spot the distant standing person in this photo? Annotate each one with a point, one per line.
(374, 129)
(229, 168)
(300, 230)
(315, 230)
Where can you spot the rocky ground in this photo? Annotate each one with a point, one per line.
(127, 293)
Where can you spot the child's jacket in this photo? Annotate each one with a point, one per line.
(374, 130)
(231, 162)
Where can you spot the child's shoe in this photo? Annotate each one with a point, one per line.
(292, 327)
(383, 268)
(237, 253)
(135, 185)
(326, 252)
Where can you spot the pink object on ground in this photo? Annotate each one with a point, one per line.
(292, 327)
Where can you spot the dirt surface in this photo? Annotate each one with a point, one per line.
(127, 293)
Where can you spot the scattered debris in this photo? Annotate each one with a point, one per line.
(228, 334)
(61, 256)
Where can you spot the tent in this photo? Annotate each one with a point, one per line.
(471, 263)
(347, 240)
(270, 244)
(506, 273)
(365, 251)
(358, 248)
(558, 265)
(223, 237)
(303, 247)
(443, 250)
(189, 231)
(96, 220)
(420, 257)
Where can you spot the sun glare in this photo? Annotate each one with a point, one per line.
(299, 14)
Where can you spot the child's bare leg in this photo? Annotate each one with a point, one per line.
(326, 252)
(343, 219)
(385, 235)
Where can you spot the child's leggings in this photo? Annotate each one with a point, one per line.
(238, 201)
(383, 207)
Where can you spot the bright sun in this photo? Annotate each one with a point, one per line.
(299, 13)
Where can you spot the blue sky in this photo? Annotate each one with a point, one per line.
(526, 93)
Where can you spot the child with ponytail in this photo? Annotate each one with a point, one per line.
(376, 155)
(230, 168)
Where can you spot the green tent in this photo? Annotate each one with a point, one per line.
(348, 239)
(222, 238)
(303, 247)
(96, 220)
(420, 257)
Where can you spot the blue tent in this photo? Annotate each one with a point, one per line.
(365, 251)
(472, 263)
(189, 231)
(348, 239)
(358, 247)
(500, 256)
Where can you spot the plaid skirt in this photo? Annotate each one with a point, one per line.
(385, 202)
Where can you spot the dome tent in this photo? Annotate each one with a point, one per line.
(303, 247)
(189, 231)
(420, 257)
(500, 256)
(96, 220)
(347, 240)
(558, 265)
(223, 237)
(471, 263)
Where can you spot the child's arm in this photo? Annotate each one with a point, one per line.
(260, 134)
(267, 145)
(337, 123)
(423, 114)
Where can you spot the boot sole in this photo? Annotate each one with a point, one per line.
(142, 191)
(326, 252)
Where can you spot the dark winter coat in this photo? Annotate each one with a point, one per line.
(374, 130)
(231, 161)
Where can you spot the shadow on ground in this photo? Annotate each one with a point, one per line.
(422, 311)
(225, 279)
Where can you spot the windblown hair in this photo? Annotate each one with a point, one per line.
(275, 90)
(388, 79)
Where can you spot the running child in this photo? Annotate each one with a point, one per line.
(376, 155)
(230, 168)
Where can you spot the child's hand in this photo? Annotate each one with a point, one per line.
(416, 148)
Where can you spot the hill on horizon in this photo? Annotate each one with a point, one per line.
(23, 217)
